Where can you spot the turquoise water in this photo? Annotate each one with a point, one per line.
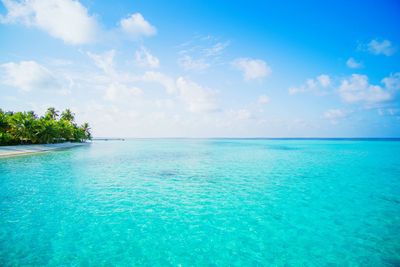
(203, 203)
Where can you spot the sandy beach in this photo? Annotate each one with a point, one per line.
(9, 151)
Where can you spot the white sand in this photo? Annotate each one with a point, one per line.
(8, 151)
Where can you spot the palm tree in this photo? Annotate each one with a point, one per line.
(47, 131)
(86, 129)
(51, 113)
(26, 127)
(17, 126)
(29, 126)
(67, 115)
(66, 130)
(3, 121)
(5, 136)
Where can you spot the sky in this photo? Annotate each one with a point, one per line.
(217, 68)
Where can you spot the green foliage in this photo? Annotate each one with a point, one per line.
(28, 128)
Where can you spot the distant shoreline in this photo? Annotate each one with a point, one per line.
(108, 139)
(19, 150)
(255, 138)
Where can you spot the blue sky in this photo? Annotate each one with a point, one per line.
(206, 68)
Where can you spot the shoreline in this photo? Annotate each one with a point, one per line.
(19, 150)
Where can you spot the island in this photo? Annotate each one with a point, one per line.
(26, 132)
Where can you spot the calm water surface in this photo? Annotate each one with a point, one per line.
(203, 203)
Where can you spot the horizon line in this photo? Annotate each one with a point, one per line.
(270, 138)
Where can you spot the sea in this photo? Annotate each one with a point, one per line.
(204, 202)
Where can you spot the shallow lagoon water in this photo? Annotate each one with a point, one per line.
(203, 202)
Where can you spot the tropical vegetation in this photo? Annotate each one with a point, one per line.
(52, 127)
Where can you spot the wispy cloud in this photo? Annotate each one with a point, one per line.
(188, 63)
(145, 59)
(216, 49)
(201, 52)
(104, 61)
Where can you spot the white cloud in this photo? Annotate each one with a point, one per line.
(252, 68)
(27, 75)
(67, 20)
(164, 80)
(392, 82)
(136, 26)
(383, 47)
(196, 97)
(353, 64)
(335, 114)
(145, 59)
(357, 89)
(104, 61)
(263, 99)
(324, 80)
(188, 63)
(312, 85)
(117, 91)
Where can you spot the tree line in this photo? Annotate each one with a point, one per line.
(52, 127)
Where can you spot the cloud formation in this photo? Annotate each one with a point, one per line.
(358, 89)
(104, 61)
(252, 68)
(136, 26)
(117, 91)
(164, 80)
(200, 53)
(196, 97)
(67, 20)
(353, 64)
(27, 75)
(383, 47)
(322, 81)
(188, 63)
(392, 82)
(145, 59)
(216, 49)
